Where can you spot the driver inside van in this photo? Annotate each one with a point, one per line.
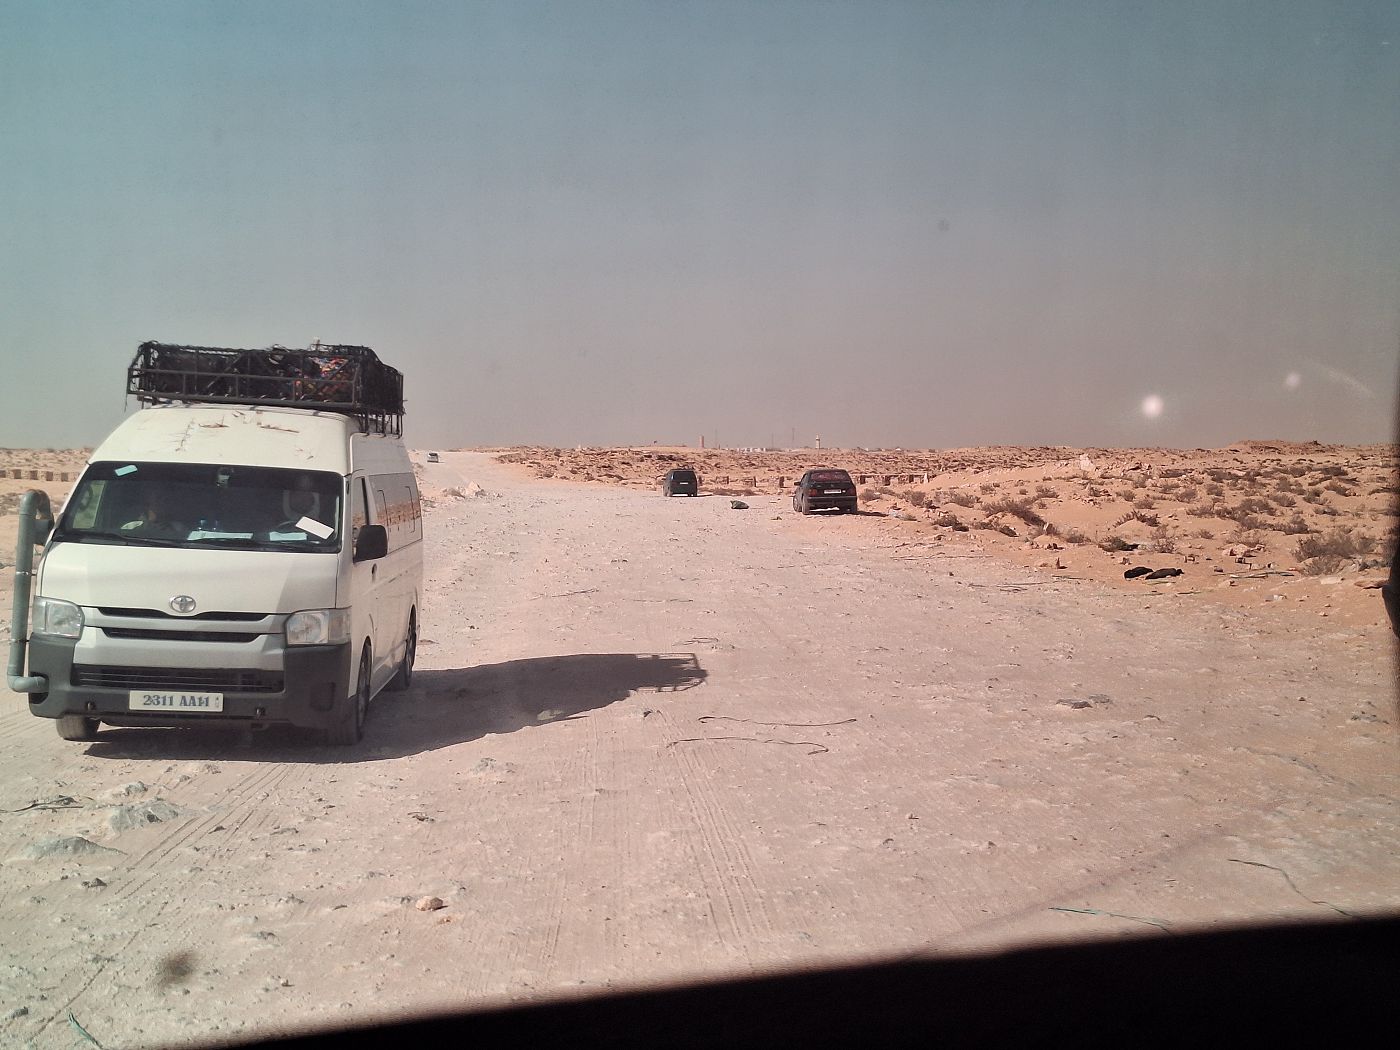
(158, 518)
(300, 501)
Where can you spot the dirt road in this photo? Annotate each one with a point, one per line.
(654, 739)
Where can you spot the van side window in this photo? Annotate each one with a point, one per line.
(396, 499)
(360, 508)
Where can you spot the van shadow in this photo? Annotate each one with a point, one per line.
(442, 708)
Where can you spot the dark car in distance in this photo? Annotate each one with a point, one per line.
(680, 482)
(824, 489)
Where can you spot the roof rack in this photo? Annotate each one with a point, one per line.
(349, 380)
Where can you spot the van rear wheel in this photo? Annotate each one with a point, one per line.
(77, 727)
(403, 677)
(351, 729)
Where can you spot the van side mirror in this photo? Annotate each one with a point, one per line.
(372, 543)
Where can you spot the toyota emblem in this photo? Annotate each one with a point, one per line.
(182, 603)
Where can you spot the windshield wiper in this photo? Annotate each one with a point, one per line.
(246, 542)
(125, 538)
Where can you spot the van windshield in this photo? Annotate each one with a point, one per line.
(205, 505)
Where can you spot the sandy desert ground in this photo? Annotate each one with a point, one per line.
(1298, 527)
(652, 739)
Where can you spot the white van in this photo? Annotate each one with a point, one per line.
(235, 563)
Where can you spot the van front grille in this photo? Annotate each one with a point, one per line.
(156, 614)
(179, 636)
(220, 679)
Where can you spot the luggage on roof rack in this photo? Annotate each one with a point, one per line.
(347, 379)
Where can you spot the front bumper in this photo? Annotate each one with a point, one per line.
(314, 690)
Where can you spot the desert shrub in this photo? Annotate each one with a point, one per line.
(1215, 489)
(1285, 499)
(1163, 541)
(1338, 488)
(1126, 495)
(1137, 515)
(1297, 470)
(918, 498)
(1204, 534)
(992, 526)
(1016, 508)
(868, 494)
(1145, 503)
(988, 487)
(1187, 494)
(947, 520)
(1114, 544)
(962, 499)
(1247, 537)
(1201, 510)
(1314, 496)
(1046, 492)
(1323, 565)
(1341, 543)
(1075, 536)
(1331, 470)
(1295, 526)
(1095, 492)
(1256, 505)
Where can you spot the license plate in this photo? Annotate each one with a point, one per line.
(143, 700)
(835, 492)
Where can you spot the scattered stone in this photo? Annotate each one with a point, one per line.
(17, 1012)
(473, 489)
(738, 504)
(94, 884)
(1369, 585)
(1077, 705)
(429, 903)
(155, 811)
(422, 818)
(1136, 571)
(67, 846)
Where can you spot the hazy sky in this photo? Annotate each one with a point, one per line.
(914, 224)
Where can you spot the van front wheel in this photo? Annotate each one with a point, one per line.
(76, 727)
(403, 677)
(351, 729)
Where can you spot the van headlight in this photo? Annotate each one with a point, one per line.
(57, 618)
(319, 627)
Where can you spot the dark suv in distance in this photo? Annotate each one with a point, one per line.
(825, 489)
(680, 482)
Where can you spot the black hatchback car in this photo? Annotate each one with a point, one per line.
(825, 489)
(680, 482)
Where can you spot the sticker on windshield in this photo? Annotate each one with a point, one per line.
(315, 528)
(122, 472)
